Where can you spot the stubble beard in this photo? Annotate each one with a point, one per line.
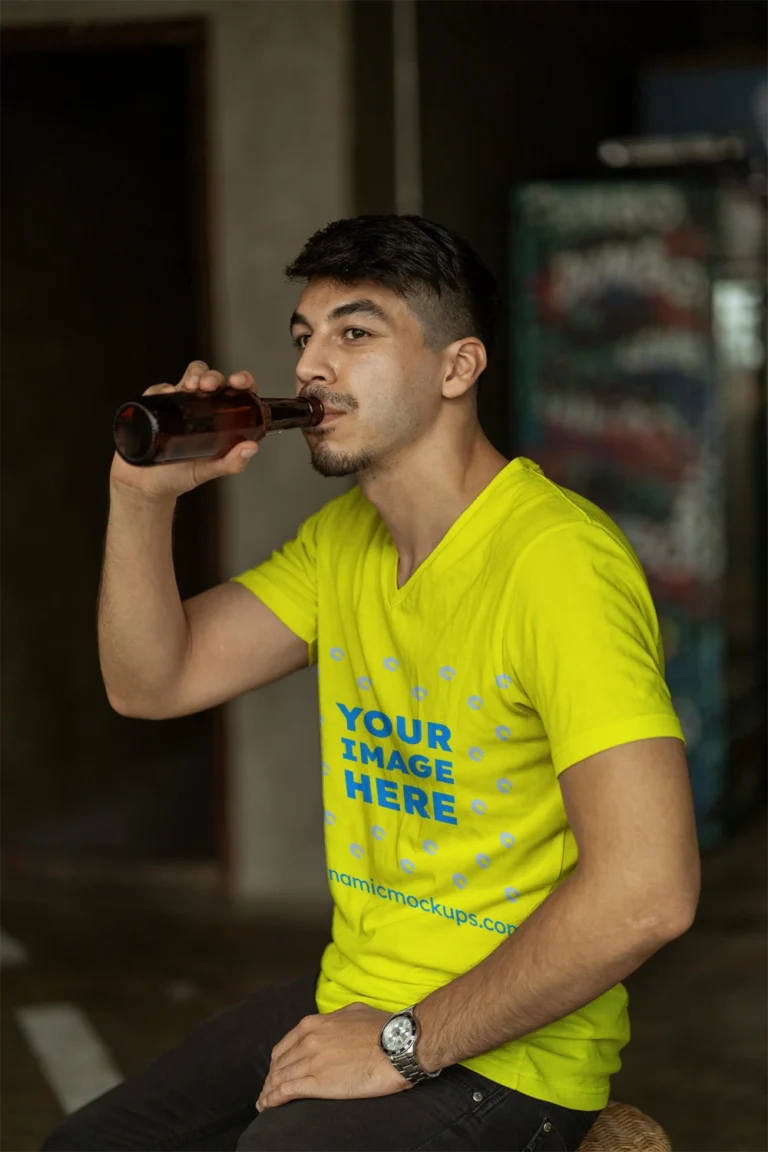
(329, 463)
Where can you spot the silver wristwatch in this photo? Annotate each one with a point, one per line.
(398, 1040)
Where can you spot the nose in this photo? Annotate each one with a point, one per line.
(314, 366)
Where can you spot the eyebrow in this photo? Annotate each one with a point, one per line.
(363, 307)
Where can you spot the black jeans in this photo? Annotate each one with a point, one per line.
(202, 1096)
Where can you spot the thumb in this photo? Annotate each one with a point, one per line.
(236, 460)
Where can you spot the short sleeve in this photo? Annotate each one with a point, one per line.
(584, 642)
(287, 583)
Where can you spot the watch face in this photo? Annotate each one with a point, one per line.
(397, 1034)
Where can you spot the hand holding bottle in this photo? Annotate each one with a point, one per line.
(175, 479)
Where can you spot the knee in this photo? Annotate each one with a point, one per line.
(246, 1143)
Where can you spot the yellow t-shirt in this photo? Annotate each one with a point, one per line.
(526, 641)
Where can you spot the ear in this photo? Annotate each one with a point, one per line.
(467, 359)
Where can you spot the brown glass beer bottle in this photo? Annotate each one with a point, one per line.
(173, 426)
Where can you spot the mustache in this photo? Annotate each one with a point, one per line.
(330, 399)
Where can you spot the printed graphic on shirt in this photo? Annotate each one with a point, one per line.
(402, 775)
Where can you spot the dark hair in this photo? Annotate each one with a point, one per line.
(438, 274)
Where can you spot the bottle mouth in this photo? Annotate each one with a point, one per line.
(318, 410)
(135, 431)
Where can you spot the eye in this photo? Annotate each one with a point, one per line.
(354, 334)
(300, 341)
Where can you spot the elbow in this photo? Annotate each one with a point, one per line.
(136, 709)
(683, 897)
(116, 703)
(670, 915)
(125, 707)
(648, 916)
(677, 918)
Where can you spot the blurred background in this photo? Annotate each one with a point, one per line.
(162, 161)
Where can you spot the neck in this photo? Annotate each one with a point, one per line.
(422, 494)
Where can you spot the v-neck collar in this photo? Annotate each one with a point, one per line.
(397, 595)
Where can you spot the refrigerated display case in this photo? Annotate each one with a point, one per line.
(638, 364)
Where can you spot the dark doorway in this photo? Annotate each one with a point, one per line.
(104, 293)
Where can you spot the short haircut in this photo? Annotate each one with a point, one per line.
(439, 275)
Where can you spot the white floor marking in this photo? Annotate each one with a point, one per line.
(73, 1059)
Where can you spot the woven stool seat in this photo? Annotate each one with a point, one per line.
(621, 1128)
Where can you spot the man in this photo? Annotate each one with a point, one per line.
(508, 816)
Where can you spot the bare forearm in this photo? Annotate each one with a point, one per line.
(142, 627)
(580, 942)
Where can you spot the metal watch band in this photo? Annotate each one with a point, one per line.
(408, 1065)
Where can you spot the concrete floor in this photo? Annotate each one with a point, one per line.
(146, 969)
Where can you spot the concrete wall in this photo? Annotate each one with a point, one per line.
(280, 167)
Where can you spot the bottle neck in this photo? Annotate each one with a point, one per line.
(302, 412)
